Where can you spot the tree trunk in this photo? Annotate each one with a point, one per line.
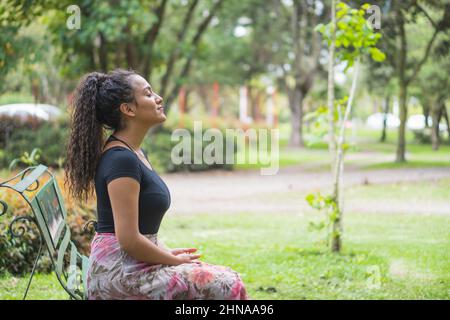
(296, 105)
(435, 114)
(103, 53)
(330, 90)
(403, 80)
(385, 111)
(445, 115)
(130, 48)
(194, 44)
(175, 53)
(401, 145)
(426, 114)
(187, 106)
(403, 87)
(438, 112)
(151, 37)
(336, 236)
(202, 91)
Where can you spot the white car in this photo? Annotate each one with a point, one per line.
(416, 122)
(375, 121)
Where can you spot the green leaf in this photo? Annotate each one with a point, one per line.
(35, 153)
(310, 116)
(310, 198)
(320, 28)
(341, 25)
(346, 42)
(345, 147)
(342, 6)
(13, 164)
(316, 201)
(312, 226)
(377, 54)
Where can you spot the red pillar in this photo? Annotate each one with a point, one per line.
(215, 107)
(182, 105)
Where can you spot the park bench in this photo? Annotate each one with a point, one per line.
(39, 188)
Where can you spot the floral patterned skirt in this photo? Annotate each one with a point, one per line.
(113, 274)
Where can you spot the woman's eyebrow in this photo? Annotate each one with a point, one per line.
(149, 88)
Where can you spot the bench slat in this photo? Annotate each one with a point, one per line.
(51, 208)
(22, 185)
(84, 270)
(60, 198)
(61, 226)
(72, 278)
(42, 225)
(61, 251)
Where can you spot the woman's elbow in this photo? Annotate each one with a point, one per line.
(127, 243)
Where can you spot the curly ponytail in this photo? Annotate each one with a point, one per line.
(95, 106)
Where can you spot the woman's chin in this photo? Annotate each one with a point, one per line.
(163, 118)
(160, 119)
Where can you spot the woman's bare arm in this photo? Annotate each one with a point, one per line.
(163, 246)
(124, 195)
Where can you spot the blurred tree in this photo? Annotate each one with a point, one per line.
(298, 53)
(265, 45)
(17, 48)
(398, 15)
(158, 39)
(331, 85)
(380, 82)
(432, 87)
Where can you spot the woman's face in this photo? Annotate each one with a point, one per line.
(149, 109)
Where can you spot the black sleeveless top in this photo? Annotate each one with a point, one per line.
(154, 196)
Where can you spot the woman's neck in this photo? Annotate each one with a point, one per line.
(133, 137)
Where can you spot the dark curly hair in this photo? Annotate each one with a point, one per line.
(95, 107)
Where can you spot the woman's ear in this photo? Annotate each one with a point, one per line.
(128, 109)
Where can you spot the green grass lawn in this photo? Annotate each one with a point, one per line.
(366, 152)
(278, 258)
(435, 191)
(277, 253)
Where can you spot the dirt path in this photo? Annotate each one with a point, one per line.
(248, 191)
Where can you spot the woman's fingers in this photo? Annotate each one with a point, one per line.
(183, 250)
(194, 257)
(189, 258)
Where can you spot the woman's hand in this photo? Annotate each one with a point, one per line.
(186, 255)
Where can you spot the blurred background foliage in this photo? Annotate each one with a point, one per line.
(190, 46)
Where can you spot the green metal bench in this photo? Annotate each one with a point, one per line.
(50, 217)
